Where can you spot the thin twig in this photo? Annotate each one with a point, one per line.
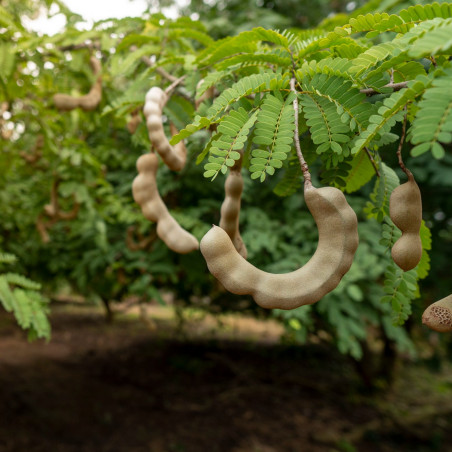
(146, 60)
(393, 86)
(399, 149)
(173, 85)
(83, 45)
(303, 164)
(372, 160)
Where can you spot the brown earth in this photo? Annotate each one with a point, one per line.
(231, 387)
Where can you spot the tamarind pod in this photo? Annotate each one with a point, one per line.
(90, 101)
(69, 215)
(405, 210)
(230, 210)
(65, 102)
(173, 156)
(42, 229)
(50, 210)
(134, 122)
(96, 65)
(338, 241)
(438, 316)
(145, 193)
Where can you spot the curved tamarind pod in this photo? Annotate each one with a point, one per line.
(405, 210)
(173, 156)
(70, 215)
(65, 102)
(87, 102)
(90, 101)
(41, 226)
(145, 193)
(230, 209)
(438, 316)
(338, 241)
(95, 65)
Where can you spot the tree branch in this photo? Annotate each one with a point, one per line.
(393, 86)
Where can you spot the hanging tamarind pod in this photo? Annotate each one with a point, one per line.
(36, 153)
(173, 156)
(54, 212)
(134, 121)
(42, 227)
(405, 210)
(87, 102)
(338, 241)
(230, 209)
(438, 316)
(145, 193)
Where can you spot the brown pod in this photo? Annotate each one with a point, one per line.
(338, 241)
(405, 210)
(88, 102)
(145, 193)
(65, 102)
(230, 209)
(438, 316)
(173, 156)
(134, 122)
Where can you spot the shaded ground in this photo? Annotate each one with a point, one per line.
(132, 387)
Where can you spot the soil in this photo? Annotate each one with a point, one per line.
(153, 386)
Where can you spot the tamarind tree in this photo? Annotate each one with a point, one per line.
(336, 104)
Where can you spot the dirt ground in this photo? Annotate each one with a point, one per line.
(148, 386)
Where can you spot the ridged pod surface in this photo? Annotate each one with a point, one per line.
(438, 316)
(145, 193)
(405, 210)
(338, 241)
(230, 209)
(173, 156)
(88, 102)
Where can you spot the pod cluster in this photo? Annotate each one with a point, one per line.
(144, 187)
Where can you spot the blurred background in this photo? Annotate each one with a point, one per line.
(146, 351)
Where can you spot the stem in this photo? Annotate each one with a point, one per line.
(303, 164)
(173, 85)
(159, 70)
(393, 86)
(372, 160)
(399, 149)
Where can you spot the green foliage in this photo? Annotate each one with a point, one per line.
(378, 206)
(233, 133)
(273, 135)
(433, 122)
(20, 296)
